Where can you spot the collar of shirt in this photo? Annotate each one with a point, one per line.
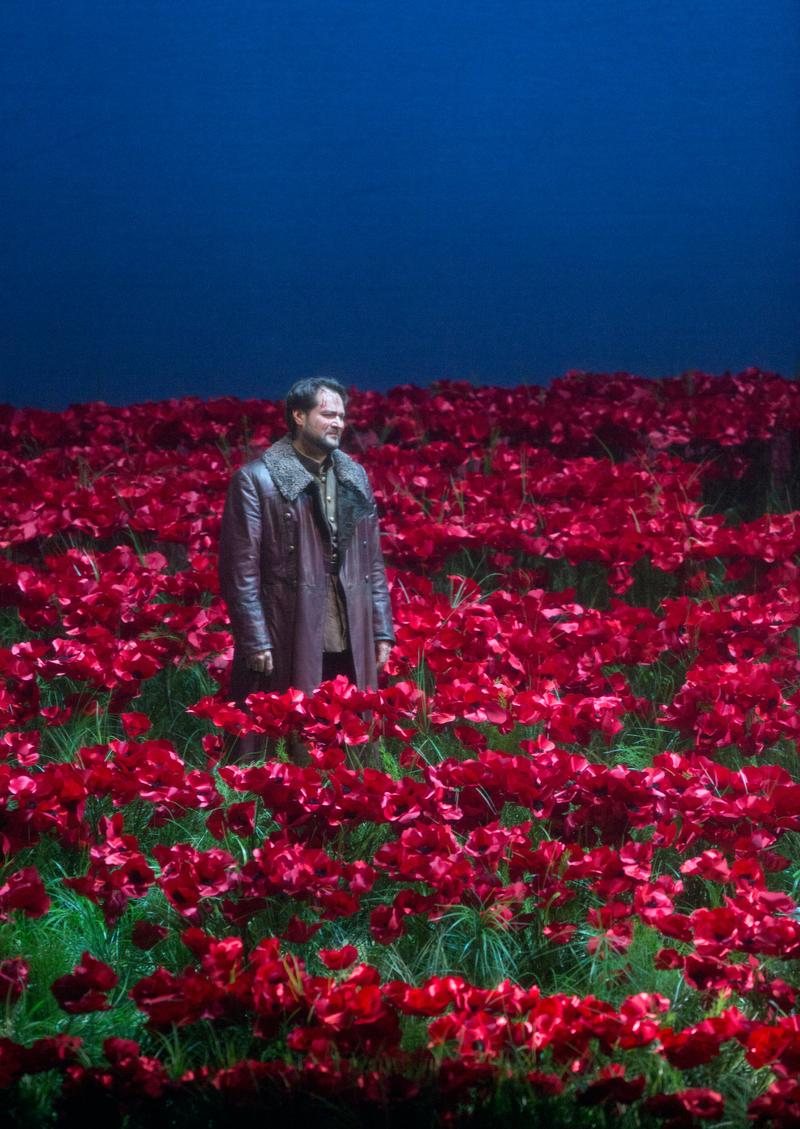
(315, 469)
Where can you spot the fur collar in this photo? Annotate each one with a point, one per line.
(291, 477)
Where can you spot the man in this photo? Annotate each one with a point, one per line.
(300, 561)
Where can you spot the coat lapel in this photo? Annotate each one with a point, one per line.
(289, 475)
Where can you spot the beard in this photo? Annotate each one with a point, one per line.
(322, 443)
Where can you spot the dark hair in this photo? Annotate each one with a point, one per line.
(302, 396)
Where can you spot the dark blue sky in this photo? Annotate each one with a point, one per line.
(219, 197)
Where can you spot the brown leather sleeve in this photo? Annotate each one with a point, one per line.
(382, 627)
(240, 564)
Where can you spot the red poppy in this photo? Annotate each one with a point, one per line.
(86, 987)
(336, 959)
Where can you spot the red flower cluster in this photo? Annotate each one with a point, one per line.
(590, 720)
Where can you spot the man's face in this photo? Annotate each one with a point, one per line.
(320, 428)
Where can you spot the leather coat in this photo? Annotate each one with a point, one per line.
(272, 565)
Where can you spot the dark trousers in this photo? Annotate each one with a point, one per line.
(335, 663)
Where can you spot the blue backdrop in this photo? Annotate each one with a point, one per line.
(219, 196)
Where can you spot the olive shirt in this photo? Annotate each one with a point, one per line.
(334, 632)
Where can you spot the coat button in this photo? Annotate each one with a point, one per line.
(291, 548)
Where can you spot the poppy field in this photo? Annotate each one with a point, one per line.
(570, 893)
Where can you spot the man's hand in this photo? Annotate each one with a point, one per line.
(261, 661)
(383, 648)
